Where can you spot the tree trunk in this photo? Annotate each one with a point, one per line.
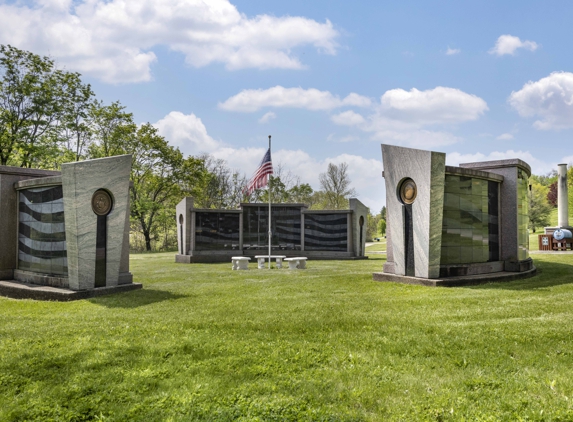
(147, 240)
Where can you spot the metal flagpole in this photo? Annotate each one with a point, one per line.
(270, 231)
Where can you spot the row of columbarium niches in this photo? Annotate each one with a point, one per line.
(485, 217)
(215, 235)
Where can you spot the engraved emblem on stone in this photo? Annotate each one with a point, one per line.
(408, 191)
(101, 202)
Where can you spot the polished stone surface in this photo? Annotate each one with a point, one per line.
(184, 224)
(9, 176)
(427, 170)
(359, 210)
(39, 182)
(508, 203)
(80, 180)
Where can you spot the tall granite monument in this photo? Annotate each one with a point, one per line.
(454, 225)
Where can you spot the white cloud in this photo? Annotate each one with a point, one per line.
(505, 137)
(348, 118)
(250, 100)
(424, 139)
(433, 106)
(537, 166)
(113, 39)
(453, 51)
(267, 117)
(508, 44)
(187, 132)
(550, 98)
(403, 116)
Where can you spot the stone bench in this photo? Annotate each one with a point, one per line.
(240, 262)
(298, 262)
(278, 258)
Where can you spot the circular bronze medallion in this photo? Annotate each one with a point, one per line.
(408, 191)
(101, 202)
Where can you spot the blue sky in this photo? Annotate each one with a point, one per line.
(329, 80)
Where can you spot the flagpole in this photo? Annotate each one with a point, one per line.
(270, 231)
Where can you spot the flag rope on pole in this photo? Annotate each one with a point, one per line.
(261, 178)
(269, 191)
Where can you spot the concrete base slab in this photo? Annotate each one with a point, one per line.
(218, 258)
(468, 280)
(18, 290)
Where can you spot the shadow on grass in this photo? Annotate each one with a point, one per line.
(549, 274)
(135, 299)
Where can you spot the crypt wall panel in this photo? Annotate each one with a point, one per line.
(470, 225)
(216, 230)
(326, 232)
(286, 230)
(41, 231)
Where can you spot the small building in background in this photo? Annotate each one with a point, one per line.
(211, 235)
(454, 225)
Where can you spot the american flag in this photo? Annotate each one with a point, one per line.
(260, 178)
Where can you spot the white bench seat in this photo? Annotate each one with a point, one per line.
(296, 263)
(240, 262)
(278, 258)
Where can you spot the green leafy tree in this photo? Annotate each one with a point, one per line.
(224, 186)
(570, 191)
(552, 194)
(372, 227)
(76, 124)
(539, 208)
(544, 180)
(31, 103)
(279, 191)
(382, 227)
(160, 176)
(112, 129)
(301, 194)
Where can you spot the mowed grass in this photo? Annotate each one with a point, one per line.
(379, 246)
(202, 342)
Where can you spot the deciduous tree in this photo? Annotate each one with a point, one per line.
(31, 102)
(335, 183)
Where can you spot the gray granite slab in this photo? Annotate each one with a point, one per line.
(184, 223)
(427, 169)
(359, 210)
(9, 176)
(79, 181)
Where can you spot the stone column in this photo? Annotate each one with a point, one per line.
(562, 197)
(427, 170)
(80, 180)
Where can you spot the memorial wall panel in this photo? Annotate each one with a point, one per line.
(470, 231)
(41, 231)
(285, 230)
(216, 230)
(326, 232)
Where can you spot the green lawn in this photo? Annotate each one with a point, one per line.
(377, 246)
(202, 342)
